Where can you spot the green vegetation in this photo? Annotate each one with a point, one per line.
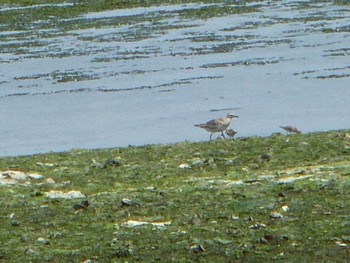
(40, 14)
(281, 198)
(342, 2)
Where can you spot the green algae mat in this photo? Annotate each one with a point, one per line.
(279, 198)
(272, 199)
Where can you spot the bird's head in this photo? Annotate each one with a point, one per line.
(231, 116)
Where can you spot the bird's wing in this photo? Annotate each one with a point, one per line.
(213, 122)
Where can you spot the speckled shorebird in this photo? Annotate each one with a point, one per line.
(290, 129)
(217, 125)
(231, 133)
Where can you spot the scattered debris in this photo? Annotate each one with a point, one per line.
(126, 202)
(11, 177)
(249, 219)
(135, 223)
(197, 248)
(233, 183)
(184, 166)
(276, 215)
(285, 208)
(129, 202)
(43, 241)
(262, 240)
(45, 165)
(341, 241)
(279, 256)
(341, 244)
(269, 238)
(291, 179)
(68, 195)
(234, 217)
(257, 226)
(111, 162)
(251, 181)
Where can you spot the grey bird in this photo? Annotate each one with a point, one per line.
(231, 133)
(217, 125)
(290, 129)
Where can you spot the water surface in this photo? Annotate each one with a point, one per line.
(147, 75)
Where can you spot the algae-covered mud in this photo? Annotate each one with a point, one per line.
(272, 199)
(88, 75)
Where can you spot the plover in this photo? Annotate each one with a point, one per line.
(290, 129)
(231, 133)
(217, 125)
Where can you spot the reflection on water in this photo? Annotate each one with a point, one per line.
(146, 75)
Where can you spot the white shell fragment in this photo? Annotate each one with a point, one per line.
(42, 240)
(291, 179)
(285, 208)
(341, 244)
(126, 202)
(17, 177)
(68, 195)
(35, 176)
(257, 226)
(184, 166)
(135, 223)
(234, 217)
(276, 215)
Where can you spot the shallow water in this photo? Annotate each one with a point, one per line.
(147, 75)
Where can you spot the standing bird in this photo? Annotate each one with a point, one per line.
(231, 133)
(217, 125)
(290, 129)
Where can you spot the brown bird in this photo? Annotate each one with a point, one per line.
(231, 133)
(290, 129)
(217, 125)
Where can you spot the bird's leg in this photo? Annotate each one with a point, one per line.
(210, 137)
(222, 133)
